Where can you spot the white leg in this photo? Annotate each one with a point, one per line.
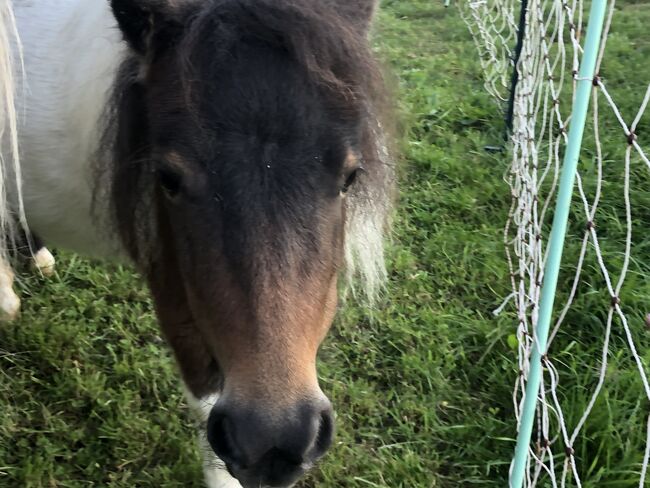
(9, 301)
(44, 262)
(215, 473)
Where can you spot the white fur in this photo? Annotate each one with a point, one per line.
(201, 406)
(214, 470)
(10, 59)
(10, 67)
(71, 52)
(368, 209)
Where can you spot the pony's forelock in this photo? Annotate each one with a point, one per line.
(334, 50)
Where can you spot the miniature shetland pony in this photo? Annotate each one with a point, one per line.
(232, 151)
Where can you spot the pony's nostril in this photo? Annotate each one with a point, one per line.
(325, 433)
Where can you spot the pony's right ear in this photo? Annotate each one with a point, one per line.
(146, 23)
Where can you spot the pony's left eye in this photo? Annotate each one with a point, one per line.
(349, 181)
(170, 182)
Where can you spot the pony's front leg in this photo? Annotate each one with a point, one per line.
(9, 301)
(43, 261)
(214, 470)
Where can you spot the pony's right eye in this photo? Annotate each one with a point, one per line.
(170, 182)
(351, 178)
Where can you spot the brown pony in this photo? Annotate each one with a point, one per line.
(241, 166)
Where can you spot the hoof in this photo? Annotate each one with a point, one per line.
(9, 305)
(9, 301)
(44, 262)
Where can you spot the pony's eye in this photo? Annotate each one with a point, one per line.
(170, 182)
(349, 181)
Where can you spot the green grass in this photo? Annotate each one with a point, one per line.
(89, 395)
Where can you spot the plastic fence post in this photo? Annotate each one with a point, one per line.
(558, 233)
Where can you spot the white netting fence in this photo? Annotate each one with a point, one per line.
(601, 268)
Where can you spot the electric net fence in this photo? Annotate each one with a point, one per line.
(542, 61)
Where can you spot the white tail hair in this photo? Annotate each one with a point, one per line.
(11, 71)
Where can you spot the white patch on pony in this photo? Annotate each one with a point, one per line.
(201, 406)
(44, 261)
(368, 211)
(364, 249)
(11, 69)
(214, 470)
(72, 51)
(9, 301)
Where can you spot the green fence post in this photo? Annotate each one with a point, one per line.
(558, 233)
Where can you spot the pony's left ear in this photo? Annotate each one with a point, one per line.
(359, 12)
(147, 24)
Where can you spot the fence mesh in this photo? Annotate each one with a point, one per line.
(599, 327)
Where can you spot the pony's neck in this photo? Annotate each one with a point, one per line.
(72, 51)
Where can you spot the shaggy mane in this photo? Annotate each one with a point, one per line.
(333, 50)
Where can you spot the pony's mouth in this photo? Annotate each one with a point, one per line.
(258, 485)
(248, 478)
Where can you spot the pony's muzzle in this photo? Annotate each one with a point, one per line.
(263, 449)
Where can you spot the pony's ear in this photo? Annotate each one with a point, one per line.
(359, 12)
(147, 23)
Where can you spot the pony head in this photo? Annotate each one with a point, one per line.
(248, 175)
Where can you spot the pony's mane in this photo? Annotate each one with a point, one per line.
(335, 54)
(332, 47)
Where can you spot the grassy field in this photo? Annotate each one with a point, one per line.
(89, 395)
